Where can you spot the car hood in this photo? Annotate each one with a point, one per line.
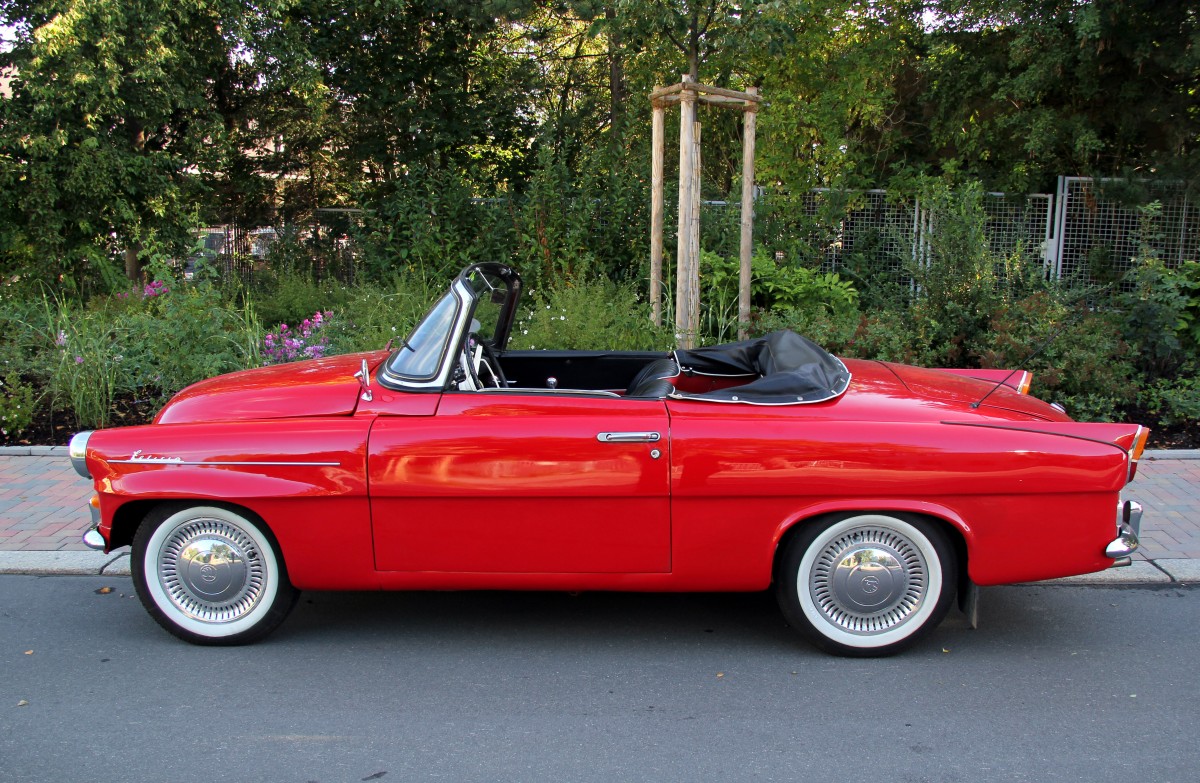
(318, 387)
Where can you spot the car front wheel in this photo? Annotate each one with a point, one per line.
(867, 584)
(210, 575)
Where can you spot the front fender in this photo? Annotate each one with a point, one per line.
(305, 478)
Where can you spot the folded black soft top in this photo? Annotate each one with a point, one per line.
(786, 369)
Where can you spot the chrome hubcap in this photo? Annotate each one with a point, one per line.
(868, 580)
(211, 571)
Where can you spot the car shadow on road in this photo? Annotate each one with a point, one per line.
(522, 619)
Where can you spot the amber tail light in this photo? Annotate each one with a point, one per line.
(1135, 453)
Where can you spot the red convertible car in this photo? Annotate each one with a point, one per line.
(869, 494)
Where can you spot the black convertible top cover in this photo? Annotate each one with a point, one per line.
(787, 369)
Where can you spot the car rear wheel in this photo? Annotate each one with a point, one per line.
(867, 584)
(210, 575)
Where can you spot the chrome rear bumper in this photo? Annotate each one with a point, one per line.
(1129, 524)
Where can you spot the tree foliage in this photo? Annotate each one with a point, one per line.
(133, 120)
(116, 106)
(1021, 90)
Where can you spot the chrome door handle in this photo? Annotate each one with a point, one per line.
(628, 437)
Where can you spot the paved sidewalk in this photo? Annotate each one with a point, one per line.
(43, 514)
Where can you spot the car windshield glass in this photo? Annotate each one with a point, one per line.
(491, 292)
(421, 355)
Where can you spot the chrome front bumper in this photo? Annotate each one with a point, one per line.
(1129, 524)
(78, 452)
(92, 538)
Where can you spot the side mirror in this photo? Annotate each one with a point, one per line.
(364, 380)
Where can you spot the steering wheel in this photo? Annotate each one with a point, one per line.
(482, 364)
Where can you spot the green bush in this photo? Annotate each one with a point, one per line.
(152, 342)
(191, 333)
(16, 405)
(781, 294)
(374, 315)
(1174, 401)
(428, 222)
(589, 314)
(1189, 326)
(959, 282)
(834, 331)
(1082, 363)
(83, 362)
(288, 295)
(1155, 318)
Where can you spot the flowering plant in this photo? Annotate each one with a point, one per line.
(307, 342)
(156, 288)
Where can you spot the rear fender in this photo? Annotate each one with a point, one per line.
(959, 530)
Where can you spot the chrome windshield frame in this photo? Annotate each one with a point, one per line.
(467, 296)
(462, 292)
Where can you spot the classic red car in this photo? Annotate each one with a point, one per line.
(869, 494)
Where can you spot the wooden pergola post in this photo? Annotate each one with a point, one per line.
(656, 211)
(687, 283)
(747, 239)
(687, 255)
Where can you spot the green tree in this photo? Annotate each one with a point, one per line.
(418, 81)
(1021, 90)
(836, 76)
(116, 109)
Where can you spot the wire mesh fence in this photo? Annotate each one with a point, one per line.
(1103, 228)
(1089, 230)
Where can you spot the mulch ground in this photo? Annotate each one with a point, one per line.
(56, 429)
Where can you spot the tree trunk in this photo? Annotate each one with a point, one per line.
(133, 261)
(133, 264)
(617, 89)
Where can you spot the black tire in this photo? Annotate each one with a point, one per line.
(865, 585)
(210, 575)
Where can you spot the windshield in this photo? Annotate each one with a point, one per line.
(482, 299)
(491, 293)
(420, 357)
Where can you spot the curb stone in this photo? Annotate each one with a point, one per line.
(1140, 572)
(119, 566)
(1157, 454)
(34, 451)
(1185, 571)
(55, 563)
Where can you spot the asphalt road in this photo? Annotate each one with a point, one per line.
(1058, 684)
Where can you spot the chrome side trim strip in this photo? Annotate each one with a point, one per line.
(540, 391)
(224, 462)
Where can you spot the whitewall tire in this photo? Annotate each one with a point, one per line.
(867, 584)
(209, 574)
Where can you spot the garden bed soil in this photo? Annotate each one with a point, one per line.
(56, 429)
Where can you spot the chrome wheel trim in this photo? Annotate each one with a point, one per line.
(210, 571)
(869, 581)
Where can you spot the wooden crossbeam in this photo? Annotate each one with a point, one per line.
(704, 89)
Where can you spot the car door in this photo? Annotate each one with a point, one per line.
(516, 482)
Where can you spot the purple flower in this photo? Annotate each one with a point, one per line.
(61, 340)
(79, 360)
